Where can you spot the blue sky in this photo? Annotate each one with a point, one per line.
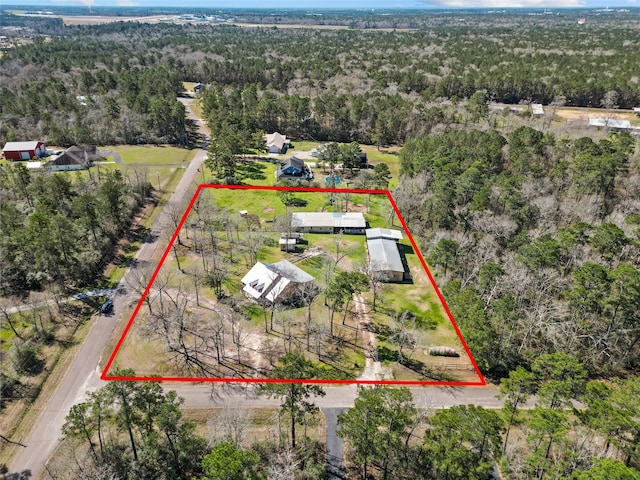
(380, 4)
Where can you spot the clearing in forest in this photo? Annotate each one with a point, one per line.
(254, 272)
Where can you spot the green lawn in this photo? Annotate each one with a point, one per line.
(153, 154)
(303, 146)
(265, 203)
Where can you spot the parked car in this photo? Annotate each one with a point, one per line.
(107, 306)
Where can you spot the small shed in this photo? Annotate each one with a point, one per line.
(536, 109)
(287, 244)
(33, 165)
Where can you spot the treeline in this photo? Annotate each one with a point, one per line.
(366, 118)
(373, 86)
(535, 240)
(92, 92)
(55, 231)
(39, 25)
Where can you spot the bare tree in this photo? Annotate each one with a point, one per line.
(218, 274)
(403, 332)
(230, 425)
(309, 292)
(175, 211)
(196, 275)
(373, 271)
(253, 242)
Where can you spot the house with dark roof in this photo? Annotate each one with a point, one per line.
(363, 161)
(293, 168)
(275, 282)
(74, 158)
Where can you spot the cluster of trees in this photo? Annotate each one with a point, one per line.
(369, 117)
(385, 432)
(133, 430)
(130, 430)
(55, 231)
(340, 85)
(535, 240)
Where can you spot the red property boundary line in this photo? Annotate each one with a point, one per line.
(105, 376)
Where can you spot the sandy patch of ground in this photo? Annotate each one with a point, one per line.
(585, 113)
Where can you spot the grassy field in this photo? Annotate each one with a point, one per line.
(152, 154)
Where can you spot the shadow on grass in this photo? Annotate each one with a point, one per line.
(250, 170)
(405, 250)
(425, 372)
(194, 138)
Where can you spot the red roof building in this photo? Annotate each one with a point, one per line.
(23, 150)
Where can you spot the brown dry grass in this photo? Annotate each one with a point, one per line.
(583, 114)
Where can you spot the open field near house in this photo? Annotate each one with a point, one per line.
(196, 321)
(152, 154)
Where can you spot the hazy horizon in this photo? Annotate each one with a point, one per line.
(335, 4)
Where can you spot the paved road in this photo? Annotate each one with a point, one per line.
(335, 445)
(83, 374)
(199, 395)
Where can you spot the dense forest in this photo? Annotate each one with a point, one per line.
(369, 86)
(536, 241)
(56, 231)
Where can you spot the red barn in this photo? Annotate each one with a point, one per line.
(23, 150)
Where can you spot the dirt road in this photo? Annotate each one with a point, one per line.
(83, 374)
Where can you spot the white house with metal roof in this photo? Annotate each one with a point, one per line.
(384, 257)
(274, 282)
(610, 123)
(328, 222)
(372, 233)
